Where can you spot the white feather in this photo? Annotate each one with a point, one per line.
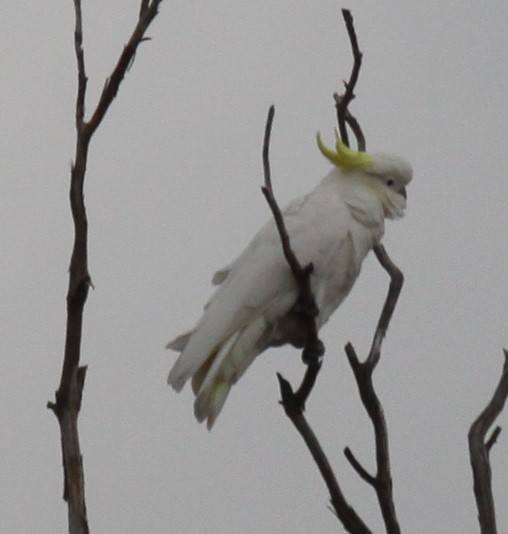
(334, 227)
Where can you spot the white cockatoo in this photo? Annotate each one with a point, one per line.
(333, 227)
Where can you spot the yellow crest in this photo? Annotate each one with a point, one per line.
(344, 157)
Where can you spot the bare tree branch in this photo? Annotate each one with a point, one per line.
(382, 482)
(363, 372)
(80, 59)
(305, 308)
(350, 121)
(294, 403)
(493, 438)
(358, 467)
(345, 513)
(342, 102)
(147, 14)
(69, 394)
(396, 283)
(479, 453)
(143, 7)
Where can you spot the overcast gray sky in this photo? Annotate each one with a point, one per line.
(173, 194)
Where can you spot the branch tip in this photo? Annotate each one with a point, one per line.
(358, 467)
(493, 438)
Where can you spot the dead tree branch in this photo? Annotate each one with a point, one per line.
(342, 101)
(346, 513)
(479, 453)
(363, 372)
(69, 394)
(294, 403)
(305, 309)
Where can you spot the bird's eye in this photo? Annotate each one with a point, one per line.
(389, 182)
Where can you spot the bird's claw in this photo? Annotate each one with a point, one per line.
(305, 310)
(313, 352)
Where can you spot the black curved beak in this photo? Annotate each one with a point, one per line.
(403, 192)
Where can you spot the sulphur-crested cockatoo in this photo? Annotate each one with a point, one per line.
(334, 227)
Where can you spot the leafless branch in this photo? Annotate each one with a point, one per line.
(342, 102)
(358, 467)
(294, 403)
(346, 514)
(363, 372)
(305, 309)
(350, 121)
(382, 482)
(69, 394)
(147, 14)
(145, 4)
(479, 450)
(396, 282)
(493, 438)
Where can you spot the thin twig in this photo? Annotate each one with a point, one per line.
(479, 453)
(350, 121)
(342, 102)
(493, 438)
(358, 467)
(68, 397)
(127, 56)
(301, 274)
(80, 59)
(266, 149)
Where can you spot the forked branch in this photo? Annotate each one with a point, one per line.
(69, 394)
(294, 402)
(381, 482)
(342, 102)
(363, 372)
(479, 453)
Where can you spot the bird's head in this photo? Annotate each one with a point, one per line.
(393, 172)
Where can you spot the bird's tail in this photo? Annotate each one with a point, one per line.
(210, 401)
(212, 381)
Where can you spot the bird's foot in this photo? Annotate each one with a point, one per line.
(313, 352)
(305, 310)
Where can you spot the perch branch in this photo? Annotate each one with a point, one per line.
(382, 482)
(346, 514)
(396, 283)
(363, 372)
(294, 402)
(68, 397)
(479, 450)
(305, 309)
